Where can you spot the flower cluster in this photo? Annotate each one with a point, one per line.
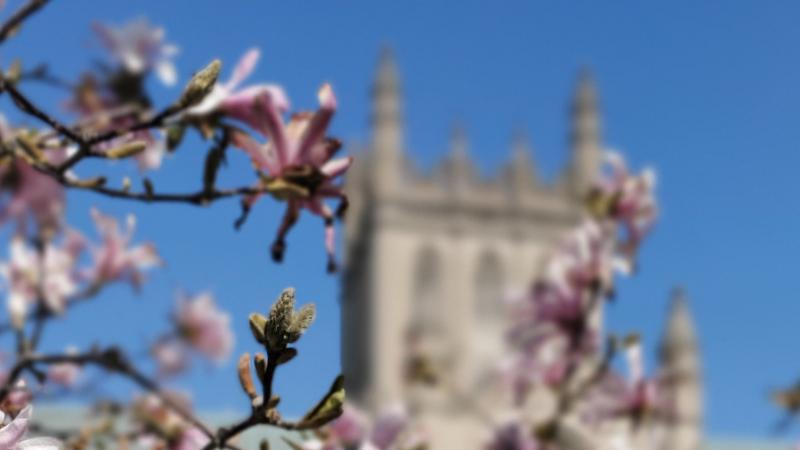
(556, 330)
(392, 429)
(199, 326)
(161, 427)
(52, 266)
(12, 434)
(47, 275)
(295, 163)
(28, 194)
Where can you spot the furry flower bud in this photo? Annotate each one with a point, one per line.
(200, 85)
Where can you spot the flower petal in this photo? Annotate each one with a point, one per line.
(319, 123)
(336, 167)
(243, 68)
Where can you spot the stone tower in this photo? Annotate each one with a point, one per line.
(431, 255)
(681, 367)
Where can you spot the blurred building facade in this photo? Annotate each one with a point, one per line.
(430, 258)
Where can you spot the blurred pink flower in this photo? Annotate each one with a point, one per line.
(12, 434)
(387, 428)
(200, 326)
(391, 430)
(640, 395)
(349, 428)
(18, 398)
(298, 154)
(512, 435)
(65, 374)
(634, 205)
(552, 327)
(32, 194)
(204, 327)
(170, 354)
(21, 279)
(150, 410)
(115, 258)
(49, 275)
(139, 47)
(29, 193)
(191, 438)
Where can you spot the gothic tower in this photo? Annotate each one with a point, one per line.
(431, 255)
(585, 139)
(681, 367)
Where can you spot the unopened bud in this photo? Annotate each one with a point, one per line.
(245, 377)
(280, 318)
(90, 183)
(200, 85)
(301, 320)
(14, 72)
(31, 151)
(175, 136)
(258, 323)
(126, 150)
(126, 184)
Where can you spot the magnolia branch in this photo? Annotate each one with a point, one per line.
(15, 21)
(98, 185)
(111, 360)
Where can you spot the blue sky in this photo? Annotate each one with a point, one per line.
(706, 93)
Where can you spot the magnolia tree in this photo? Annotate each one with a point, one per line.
(51, 267)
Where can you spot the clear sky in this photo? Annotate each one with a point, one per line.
(705, 92)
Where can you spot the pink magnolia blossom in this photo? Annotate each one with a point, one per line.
(139, 47)
(101, 109)
(115, 259)
(27, 192)
(512, 435)
(553, 327)
(18, 398)
(634, 206)
(170, 354)
(49, 275)
(205, 327)
(229, 99)
(200, 326)
(349, 428)
(192, 438)
(32, 194)
(556, 327)
(636, 398)
(12, 435)
(297, 158)
(151, 411)
(391, 430)
(65, 374)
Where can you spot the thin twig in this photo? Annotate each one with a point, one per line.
(29, 108)
(19, 16)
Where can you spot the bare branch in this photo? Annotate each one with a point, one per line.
(19, 16)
